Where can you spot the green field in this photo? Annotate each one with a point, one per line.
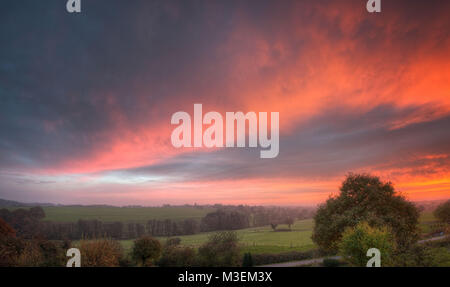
(426, 222)
(427, 216)
(258, 239)
(255, 240)
(123, 214)
(264, 240)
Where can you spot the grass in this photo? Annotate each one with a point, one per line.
(258, 239)
(255, 240)
(264, 240)
(426, 222)
(123, 214)
(427, 216)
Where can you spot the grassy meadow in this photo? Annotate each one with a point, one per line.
(426, 222)
(123, 214)
(264, 240)
(258, 239)
(255, 240)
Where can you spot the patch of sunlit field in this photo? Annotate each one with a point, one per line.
(426, 222)
(123, 214)
(258, 239)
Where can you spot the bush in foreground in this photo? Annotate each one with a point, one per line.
(356, 241)
(221, 250)
(177, 256)
(100, 253)
(146, 250)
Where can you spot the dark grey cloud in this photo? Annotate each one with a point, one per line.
(63, 77)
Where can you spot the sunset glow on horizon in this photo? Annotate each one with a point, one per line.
(86, 100)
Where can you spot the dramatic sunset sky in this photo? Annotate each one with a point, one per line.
(86, 99)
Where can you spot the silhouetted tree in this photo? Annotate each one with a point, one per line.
(146, 250)
(274, 225)
(289, 221)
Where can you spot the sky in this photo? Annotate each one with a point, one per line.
(86, 99)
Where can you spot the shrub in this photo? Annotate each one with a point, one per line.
(146, 250)
(29, 255)
(356, 241)
(100, 253)
(10, 248)
(53, 253)
(175, 256)
(6, 229)
(221, 250)
(16, 251)
(430, 255)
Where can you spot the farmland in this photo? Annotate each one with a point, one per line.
(255, 240)
(264, 240)
(426, 222)
(123, 214)
(258, 239)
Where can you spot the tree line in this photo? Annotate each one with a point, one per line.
(28, 223)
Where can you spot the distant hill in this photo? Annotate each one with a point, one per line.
(429, 205)
(12, 203)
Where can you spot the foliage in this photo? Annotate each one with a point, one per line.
(365, 198)
(16, 251)
(176, 256)
(248, 260)
(357, 240)
(146, 250)
(424, 256)
(289, 221)
(225, 220)
(442, 212)
(9, 252)
(274, 226)
(26, 222)
(6, 229)
(100, 253)
(221, 250)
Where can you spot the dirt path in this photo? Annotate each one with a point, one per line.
(432, 239)
(300, 263)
